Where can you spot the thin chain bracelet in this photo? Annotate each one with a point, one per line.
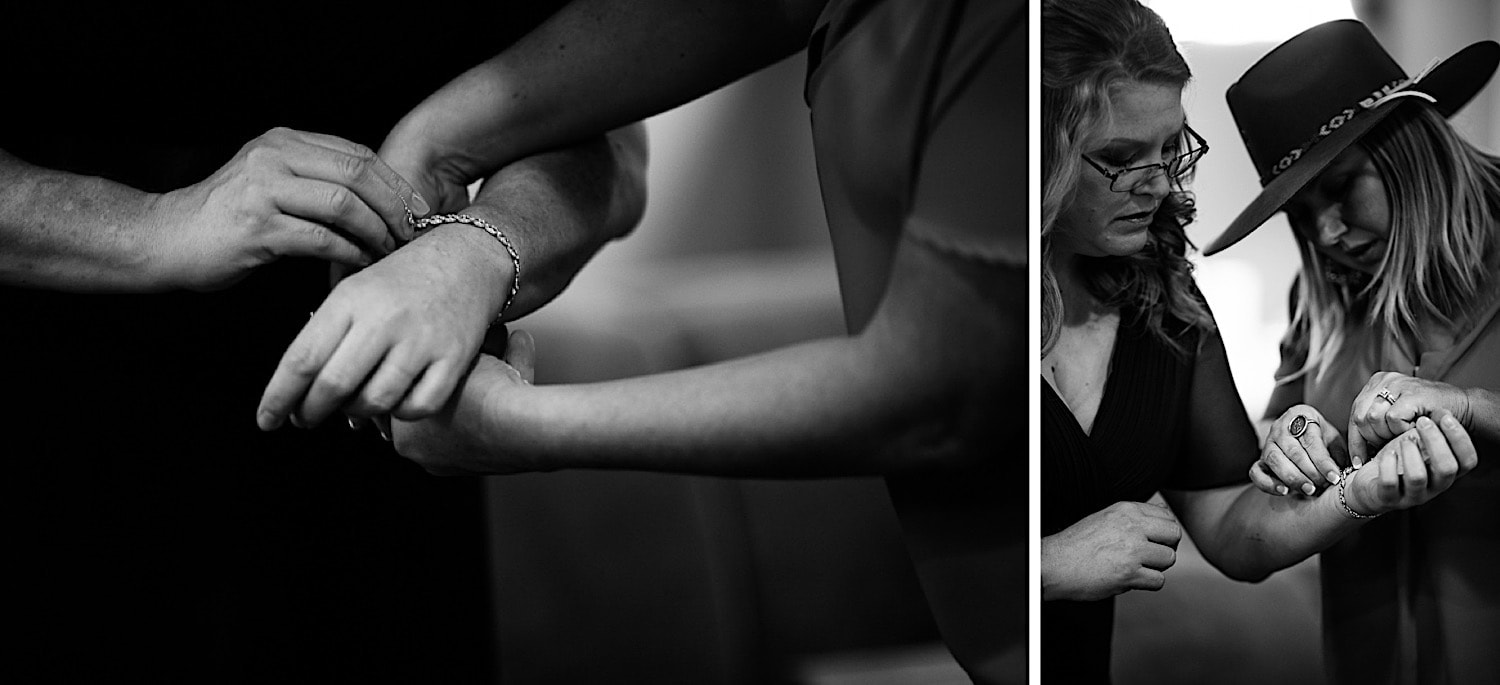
(515, 258)
(1343, 481)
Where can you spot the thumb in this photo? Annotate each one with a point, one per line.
(520, 353)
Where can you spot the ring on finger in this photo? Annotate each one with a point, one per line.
(1299, 425)
(1385, 394)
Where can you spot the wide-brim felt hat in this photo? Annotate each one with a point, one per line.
(1319, 92)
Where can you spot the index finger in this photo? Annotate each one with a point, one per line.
(1358, 450)
(390, 195)
(298, 367)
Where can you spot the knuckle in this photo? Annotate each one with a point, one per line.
(337, 382)
(356, 165)
(340, 201)
(260, 153)
(378, 401)
(301, 361)
(421, 407)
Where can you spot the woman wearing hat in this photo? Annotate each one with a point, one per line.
(1394, 326)
(1138, 396)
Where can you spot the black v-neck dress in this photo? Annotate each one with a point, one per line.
(1167, 421)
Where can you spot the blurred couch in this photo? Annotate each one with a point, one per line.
(605, 577)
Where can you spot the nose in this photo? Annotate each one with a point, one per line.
(1157, 186)
(1330, 225)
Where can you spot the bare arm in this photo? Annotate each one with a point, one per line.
(68, 232)
(285, 193)
(594, 66)
(924, 383)
(560, 207)
(420, 315)
(1248, 534)
(921, 386)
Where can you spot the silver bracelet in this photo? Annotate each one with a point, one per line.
(1344, 481)
(515, 258)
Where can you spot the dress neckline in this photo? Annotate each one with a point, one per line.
(1107, 398)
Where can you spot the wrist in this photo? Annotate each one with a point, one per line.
(1350, 495)
(464, 129)
(1473, 398)
(164, 262)
(484, 262)
(512, 428)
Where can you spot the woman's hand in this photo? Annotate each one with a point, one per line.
(433, 156)
(285, 193)
(1126, 546)
(1413, 468)
(1389, 405)
(395, 337)
(454, 441)
(1302, 453)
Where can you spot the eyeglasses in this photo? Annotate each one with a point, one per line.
(1128, 179)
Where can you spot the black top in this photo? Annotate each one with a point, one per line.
(1166, 421)
(153, 533)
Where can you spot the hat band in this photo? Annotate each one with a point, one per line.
(1376, 98)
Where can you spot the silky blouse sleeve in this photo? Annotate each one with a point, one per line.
(971, 188)
(1220, 444)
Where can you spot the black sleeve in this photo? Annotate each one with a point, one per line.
(1220, 444)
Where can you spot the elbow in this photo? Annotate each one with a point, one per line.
(952, 438)
(1248, 575)
(1244, 570)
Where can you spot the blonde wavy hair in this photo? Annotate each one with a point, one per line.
(1089, 47)
(1444, 203)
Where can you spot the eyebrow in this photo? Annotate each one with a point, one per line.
(1179, 133)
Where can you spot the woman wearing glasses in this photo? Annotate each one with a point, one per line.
(1394, 327)
(1137, 394)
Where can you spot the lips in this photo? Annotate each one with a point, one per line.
(1363, 252)
(1138, 216)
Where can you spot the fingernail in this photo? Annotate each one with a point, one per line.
(267, 420)
(353, 425)
(1281, 490)
(419, 206)
(1333, 477)
(1424, 422)
(1357, 462)
(1309, 488)
(295, 421)
(1450, 421)
(383, 435)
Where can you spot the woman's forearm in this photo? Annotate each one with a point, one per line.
(1484, 413)
(597, 65)
(933, 379)
(68, 232)
(559, 208)
(1248, 534)
(824, 408)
